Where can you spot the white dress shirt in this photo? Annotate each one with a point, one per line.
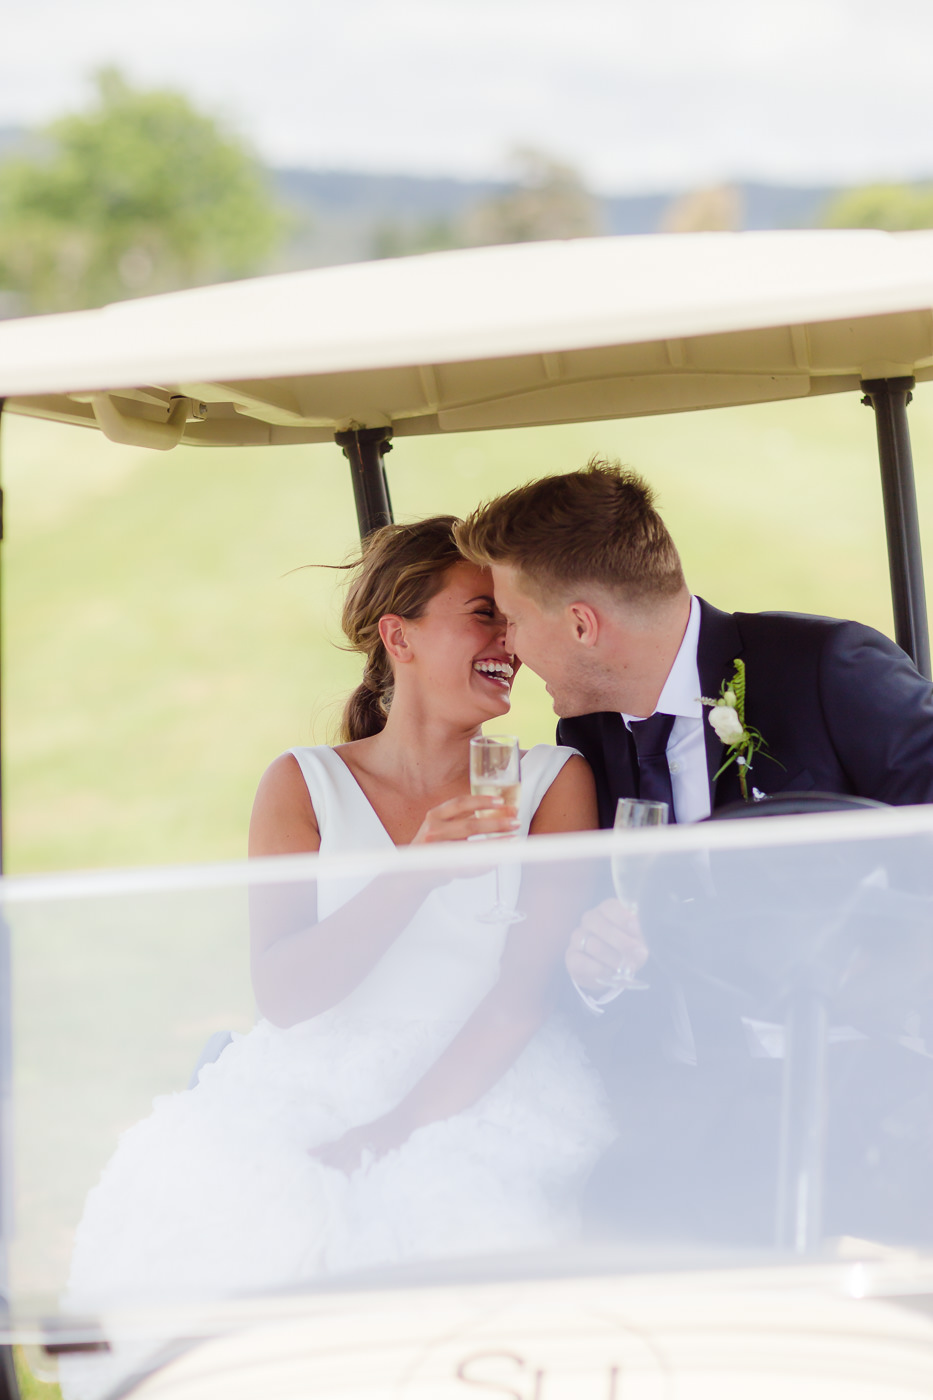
(686, 747)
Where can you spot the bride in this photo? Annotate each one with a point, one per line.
(410, 1090)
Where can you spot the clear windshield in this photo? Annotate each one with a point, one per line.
(256, 1081)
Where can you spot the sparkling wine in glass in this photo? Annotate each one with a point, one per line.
(639, 811)
(495, 771)
(628, 874)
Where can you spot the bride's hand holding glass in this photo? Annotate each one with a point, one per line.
(463, 817)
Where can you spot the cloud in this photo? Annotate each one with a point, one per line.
(638, 96)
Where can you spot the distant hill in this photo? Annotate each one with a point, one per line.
(17, 140)
(398, 196)
(760, 206)
(10, 138)
(346, 216)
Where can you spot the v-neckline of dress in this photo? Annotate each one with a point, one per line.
(359, 788)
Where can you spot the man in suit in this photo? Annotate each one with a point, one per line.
(589, 579)
(592, 586)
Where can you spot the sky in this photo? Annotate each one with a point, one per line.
(640, 96)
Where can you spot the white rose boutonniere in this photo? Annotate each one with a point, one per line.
(726, 723)
(727, 717)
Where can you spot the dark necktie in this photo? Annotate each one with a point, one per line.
(654, 775)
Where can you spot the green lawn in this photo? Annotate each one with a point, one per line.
(162, 641)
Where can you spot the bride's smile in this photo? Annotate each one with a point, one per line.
(498, 671)
(456, 651)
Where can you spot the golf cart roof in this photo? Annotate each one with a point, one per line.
(487, 338)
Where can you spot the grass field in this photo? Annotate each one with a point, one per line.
(163, 642)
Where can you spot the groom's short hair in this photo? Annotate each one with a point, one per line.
(598, 525)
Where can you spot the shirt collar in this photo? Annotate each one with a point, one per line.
(681, 692)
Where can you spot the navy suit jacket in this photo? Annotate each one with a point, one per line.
(841, 707)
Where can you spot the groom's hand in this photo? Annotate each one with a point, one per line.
(606, 949)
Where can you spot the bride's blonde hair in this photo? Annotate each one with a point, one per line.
(399, 571)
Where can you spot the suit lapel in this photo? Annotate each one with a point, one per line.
(606, 744)
(618, 756)
(719, 645)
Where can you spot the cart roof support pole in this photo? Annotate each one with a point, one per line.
(889, 398)
(365, 449)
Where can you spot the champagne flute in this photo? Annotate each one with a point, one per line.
(495, 771)
(638, 812)
(632, 813)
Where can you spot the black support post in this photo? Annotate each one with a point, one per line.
(365, 449)
(889, 399)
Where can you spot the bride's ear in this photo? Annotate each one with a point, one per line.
(394, 638)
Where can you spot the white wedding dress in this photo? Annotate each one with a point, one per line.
(215, 1193)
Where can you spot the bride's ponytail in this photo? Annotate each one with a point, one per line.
(400, 570)
(367, 709)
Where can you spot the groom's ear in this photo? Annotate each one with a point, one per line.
(585, 623)
(394, 639)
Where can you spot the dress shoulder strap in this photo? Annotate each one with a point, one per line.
(345, 818)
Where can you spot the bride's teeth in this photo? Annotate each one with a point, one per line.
(494, 668)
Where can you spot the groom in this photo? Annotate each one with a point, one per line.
(591, 583)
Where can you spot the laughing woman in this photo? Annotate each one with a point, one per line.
(410, 1090)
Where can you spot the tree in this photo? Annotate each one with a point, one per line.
(548, 200)
(891, 207)
(717, 209)
(140, 193)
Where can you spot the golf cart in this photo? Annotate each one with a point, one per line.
(800, 948)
